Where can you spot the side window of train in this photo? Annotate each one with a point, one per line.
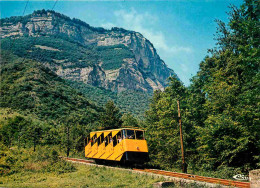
(94, 140)
(101, 139)
(98, 140)
(139, 135)
(114, 140)
(130, 134)
(117, 138)
(108, 139)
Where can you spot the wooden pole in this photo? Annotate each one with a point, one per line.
(184, 166)
(68, 141)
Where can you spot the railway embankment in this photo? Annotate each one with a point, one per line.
(177, 178)
(254, 177)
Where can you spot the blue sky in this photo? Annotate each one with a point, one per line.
(180, 30)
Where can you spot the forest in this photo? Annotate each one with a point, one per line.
(219, 109)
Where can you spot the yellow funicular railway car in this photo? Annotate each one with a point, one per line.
(124, 145)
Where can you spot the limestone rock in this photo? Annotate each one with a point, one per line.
(146, 71)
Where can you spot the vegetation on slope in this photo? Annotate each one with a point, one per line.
(29, 87)
(134, 102)
(112, 56)
(74, 55)
(62, 51)
(44, 168)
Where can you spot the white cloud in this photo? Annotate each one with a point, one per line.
(184, 67)
(143, 23)
(108, 25)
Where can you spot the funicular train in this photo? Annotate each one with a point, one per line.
(124, 145)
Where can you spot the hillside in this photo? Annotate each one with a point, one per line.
(132, 101)
(30, 88)
(115, 59)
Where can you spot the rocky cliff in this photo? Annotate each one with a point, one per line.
(137, 65)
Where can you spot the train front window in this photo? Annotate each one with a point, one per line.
(130, 134)
(139, 135)
(124, 134)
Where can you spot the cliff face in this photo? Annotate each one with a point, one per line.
(141, 69)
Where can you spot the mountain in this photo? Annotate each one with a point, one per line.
(117, 59)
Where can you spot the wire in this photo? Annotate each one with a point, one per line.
(25, 7)
(12, 44)
(38, 33)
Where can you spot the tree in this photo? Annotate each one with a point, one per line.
(129, 120)
(13, 130)
(34, 133)
(69, 122)
(111, 118)
(162, 126)
(229, 80)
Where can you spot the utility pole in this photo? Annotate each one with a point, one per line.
(184, 166)
(68, 140)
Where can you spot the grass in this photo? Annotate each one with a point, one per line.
(84, 176)
(43, 168)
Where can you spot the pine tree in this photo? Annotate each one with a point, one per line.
(111, 118)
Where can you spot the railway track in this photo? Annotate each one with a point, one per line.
(198, 178)
(181, 175)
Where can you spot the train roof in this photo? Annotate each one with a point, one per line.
(123, 128)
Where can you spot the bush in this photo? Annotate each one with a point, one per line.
(44, 159)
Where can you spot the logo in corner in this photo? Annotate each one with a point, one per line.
(240, 177)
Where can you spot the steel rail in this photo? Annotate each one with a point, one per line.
(78, 160)
(181, 175)
(198, 178)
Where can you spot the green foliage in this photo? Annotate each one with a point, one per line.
(220, 109)
(134, 102)
(111, 118)
(31, 88)
(230, 135)
(70, 54)
(163, 128)
(19, 130)
(112, 56)
(84, 176)
(49, 50)
(45, 159)
(129, 121)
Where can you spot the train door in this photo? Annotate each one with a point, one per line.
(130, 142)
(119, 146)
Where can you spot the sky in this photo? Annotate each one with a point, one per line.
(181, 30)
